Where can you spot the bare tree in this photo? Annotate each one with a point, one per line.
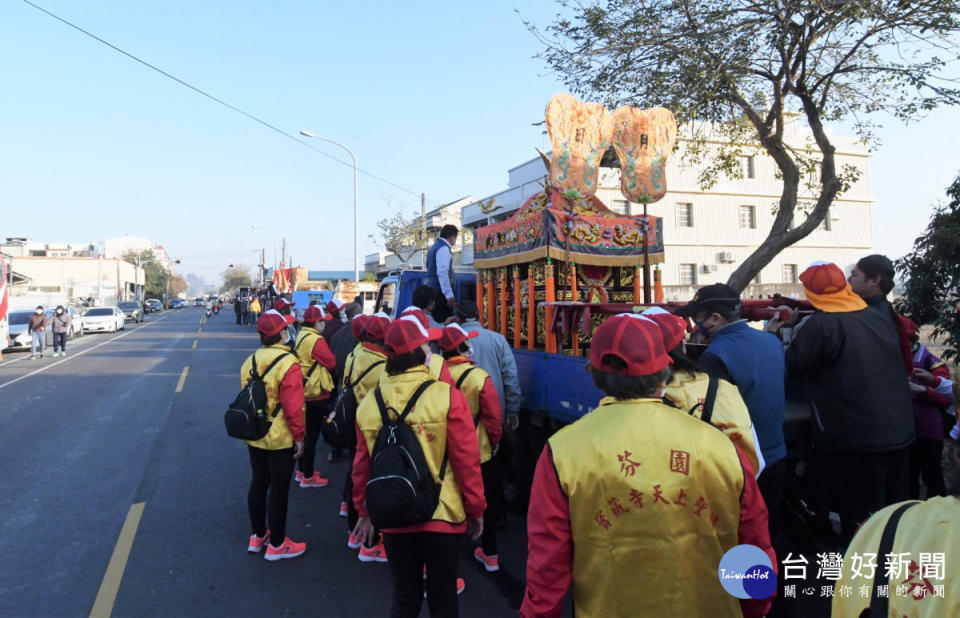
(738, 71)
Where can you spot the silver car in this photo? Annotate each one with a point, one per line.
(108, 319)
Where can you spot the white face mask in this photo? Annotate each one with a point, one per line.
(39, 311)
(59, 311)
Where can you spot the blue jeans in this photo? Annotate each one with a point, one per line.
(37, 340)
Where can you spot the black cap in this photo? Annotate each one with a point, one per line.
(718, 297)
(876, 265)
(466, 310)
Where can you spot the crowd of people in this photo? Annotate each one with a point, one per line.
(682, 456)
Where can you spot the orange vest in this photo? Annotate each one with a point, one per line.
(471, 389)
(654, 499)
(429, 420)
(279, 436)
(359, 361)
(730, 414)
(320, 381)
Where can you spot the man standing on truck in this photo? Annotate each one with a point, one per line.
(440, 272)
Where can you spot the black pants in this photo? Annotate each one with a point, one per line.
(925, 463)
(59, 342)
(770, 484)
(857, 485)
(493, 491)
(440, 310)
(352, 514)
(238, 317)
(316, 411)
(408, 555)
(268, 491)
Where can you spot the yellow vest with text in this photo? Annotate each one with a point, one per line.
(730, 414)
(654, 500)
(931, 527)
(471, 389)
(428, 420)
(320, 380)
(279, 436)
(357, 362)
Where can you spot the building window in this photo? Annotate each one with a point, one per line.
(620, 207)
(825, 224)
(789, 273)
(688, 274)
(748, 168)
(684, 214)
(748, 217)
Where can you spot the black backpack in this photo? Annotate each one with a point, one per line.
(338, 427)
(401, 490)
(246, 418)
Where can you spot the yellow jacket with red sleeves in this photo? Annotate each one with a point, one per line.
(358, 361)
(923, 581)
(284, 385)
(481, 395)
(730, 414)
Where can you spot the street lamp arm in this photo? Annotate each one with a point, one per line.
(306, 133)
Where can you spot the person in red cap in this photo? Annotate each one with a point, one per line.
(689, 387)
(847, 360)
(438, 366)
(285, 307)
(335, 309)
(650, 497)
(316, 361)
(272, 456)
(364, 367)
(481, 395)
(444, 428)
(932, 392)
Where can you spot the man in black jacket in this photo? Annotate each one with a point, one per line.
(847, 359)
(872, 280)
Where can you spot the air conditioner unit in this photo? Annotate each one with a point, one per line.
(708, 268)
(726, 257)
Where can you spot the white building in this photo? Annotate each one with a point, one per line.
(116, 247)
(708, 233)
(383, 262)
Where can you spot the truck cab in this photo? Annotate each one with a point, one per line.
(396, 289)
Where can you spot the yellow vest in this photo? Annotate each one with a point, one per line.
(730, 414)
(320, 380)
(254, 306)
(429, 420)
(471, 389)
(279, 436)
(436, 366)
(359, 360)
(931, 527)
(654, 501)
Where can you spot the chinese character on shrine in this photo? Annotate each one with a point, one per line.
(602, 520)
(627, 465)
(658, 495)
(616, 509)
(680, 462)
(637, 498)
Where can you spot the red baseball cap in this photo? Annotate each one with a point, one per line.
(632, 338)
(282, 302)
(358, 326)
(672, 327)
(407, 334)
(376, 326)
(315, 313)
(453, 336)
(334, 305)
(272, 322)
(419, 313)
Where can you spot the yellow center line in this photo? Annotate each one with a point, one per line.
(183, 378)
(110, 586)
(194, 344)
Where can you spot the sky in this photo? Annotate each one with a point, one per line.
(440, 98)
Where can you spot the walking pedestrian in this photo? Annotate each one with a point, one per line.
(631, 483)
(316, 361)
(441, 412)
(341, 344)
(61, 328)
(37, 327)
(272, 457)
(285, 307)
(335, 309)
(440, 272)
(254, 311)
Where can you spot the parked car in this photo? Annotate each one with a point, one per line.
(178, 303)
(19, 320)
(76, 324)
(131, 310)
(104, 319)
(154, 304)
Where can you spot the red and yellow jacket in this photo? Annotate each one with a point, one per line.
(358, 361)
(284, 385)
(484, 403)
(311, 348)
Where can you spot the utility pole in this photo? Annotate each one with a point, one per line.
(423, 230)
(283, 254)
(263, 267)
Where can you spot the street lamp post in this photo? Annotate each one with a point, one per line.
(356, 229)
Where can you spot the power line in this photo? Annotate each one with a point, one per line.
(220, 101)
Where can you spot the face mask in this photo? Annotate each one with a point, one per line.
(39, 311)
(59, 311)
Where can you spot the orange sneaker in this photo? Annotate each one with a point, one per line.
(298, 477)
(377, 553)
(315, 480)
(257, 542)
(490, 563)
(353, 542)
(343, 509)
(287, 549)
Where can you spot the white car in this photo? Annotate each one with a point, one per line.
(107, 319)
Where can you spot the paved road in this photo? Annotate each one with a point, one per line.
(120, 446)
